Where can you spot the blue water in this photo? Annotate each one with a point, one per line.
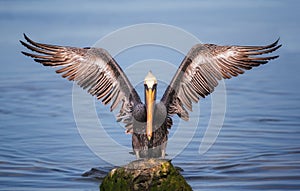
(258, 147)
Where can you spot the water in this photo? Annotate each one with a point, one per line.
(258, 147)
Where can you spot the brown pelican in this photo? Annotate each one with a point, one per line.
(94, 69)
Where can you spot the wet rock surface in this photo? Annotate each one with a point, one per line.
(145, 174)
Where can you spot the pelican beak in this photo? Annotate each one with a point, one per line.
(150, 98)
(150, 83)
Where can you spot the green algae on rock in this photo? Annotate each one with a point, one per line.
(145, 174)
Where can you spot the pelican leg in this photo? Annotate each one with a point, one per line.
(137, 154)
(163, 150)
(163, 153)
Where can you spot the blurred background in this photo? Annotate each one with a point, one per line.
(258, 147)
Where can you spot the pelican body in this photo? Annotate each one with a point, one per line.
(150, 128)
(94, 69)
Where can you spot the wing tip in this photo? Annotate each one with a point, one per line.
(24, 43)
(25, 36)
(27, 39)
(276, 42)
(274, 46)
(26, 53)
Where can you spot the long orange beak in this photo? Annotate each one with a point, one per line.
(150, 98)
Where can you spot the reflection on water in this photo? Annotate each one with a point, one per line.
(258, 147)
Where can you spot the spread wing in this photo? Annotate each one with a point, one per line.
(203, 66)
(93, 69)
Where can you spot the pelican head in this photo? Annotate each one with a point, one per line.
(150, 84)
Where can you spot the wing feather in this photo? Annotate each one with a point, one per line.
(91, 68)
(204, 66)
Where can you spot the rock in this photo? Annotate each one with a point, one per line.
(97, 173)
(145, 174)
